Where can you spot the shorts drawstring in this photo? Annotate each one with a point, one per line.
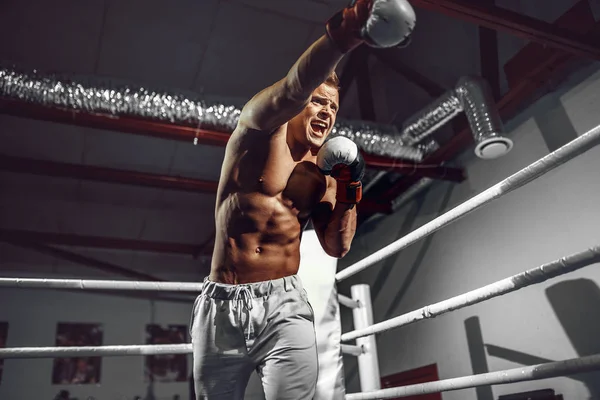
(243, 294)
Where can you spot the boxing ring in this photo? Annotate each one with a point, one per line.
(359, 301)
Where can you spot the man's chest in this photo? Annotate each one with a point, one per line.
(299, 186)
(265, 165)
(305, 187)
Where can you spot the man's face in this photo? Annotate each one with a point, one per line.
(312, 126)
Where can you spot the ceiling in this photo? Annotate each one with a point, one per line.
(76, 226)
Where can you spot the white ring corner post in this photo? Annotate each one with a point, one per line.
(368, 363)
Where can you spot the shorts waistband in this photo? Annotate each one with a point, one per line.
(225, 291)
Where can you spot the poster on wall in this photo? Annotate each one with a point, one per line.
(77, 370)
(166, 367)
(3, 336)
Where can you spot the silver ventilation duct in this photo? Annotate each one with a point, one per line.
(472, 95)
(486, 125)
(101, 96)
(422, 124)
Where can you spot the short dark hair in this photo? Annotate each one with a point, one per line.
(333, 81)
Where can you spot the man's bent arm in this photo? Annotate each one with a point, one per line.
(280, 102)
(335, 227)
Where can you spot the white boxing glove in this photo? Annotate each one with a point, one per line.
(378, 23)
(341, 158)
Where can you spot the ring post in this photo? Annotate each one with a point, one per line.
(368, 364)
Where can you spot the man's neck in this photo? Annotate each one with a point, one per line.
(299, 151)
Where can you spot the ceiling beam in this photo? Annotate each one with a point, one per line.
(516, 24)
(434, 171)
(488, 55)
(88, 172)
(579, 18)
(99, 242)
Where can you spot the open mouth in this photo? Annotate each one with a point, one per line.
(319, 127)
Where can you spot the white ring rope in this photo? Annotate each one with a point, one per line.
(95, 351)
(572, 149)
(534, 372)
(100, 285)
(533, 276)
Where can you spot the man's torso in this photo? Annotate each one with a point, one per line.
(264, 199)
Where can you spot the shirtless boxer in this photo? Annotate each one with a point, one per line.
(279, 173)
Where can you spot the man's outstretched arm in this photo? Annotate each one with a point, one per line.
(280, 102)
(380, 23)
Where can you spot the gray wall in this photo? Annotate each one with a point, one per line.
(551, 217)
(33, 315)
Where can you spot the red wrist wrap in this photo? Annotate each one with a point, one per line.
(349, 192)
(344, 39)
(345, 26)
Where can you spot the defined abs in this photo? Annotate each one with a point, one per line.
(261, 236)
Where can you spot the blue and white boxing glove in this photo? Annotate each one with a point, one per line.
(341, 158)
(378, 23)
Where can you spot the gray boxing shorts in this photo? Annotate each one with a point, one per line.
(264, 326)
